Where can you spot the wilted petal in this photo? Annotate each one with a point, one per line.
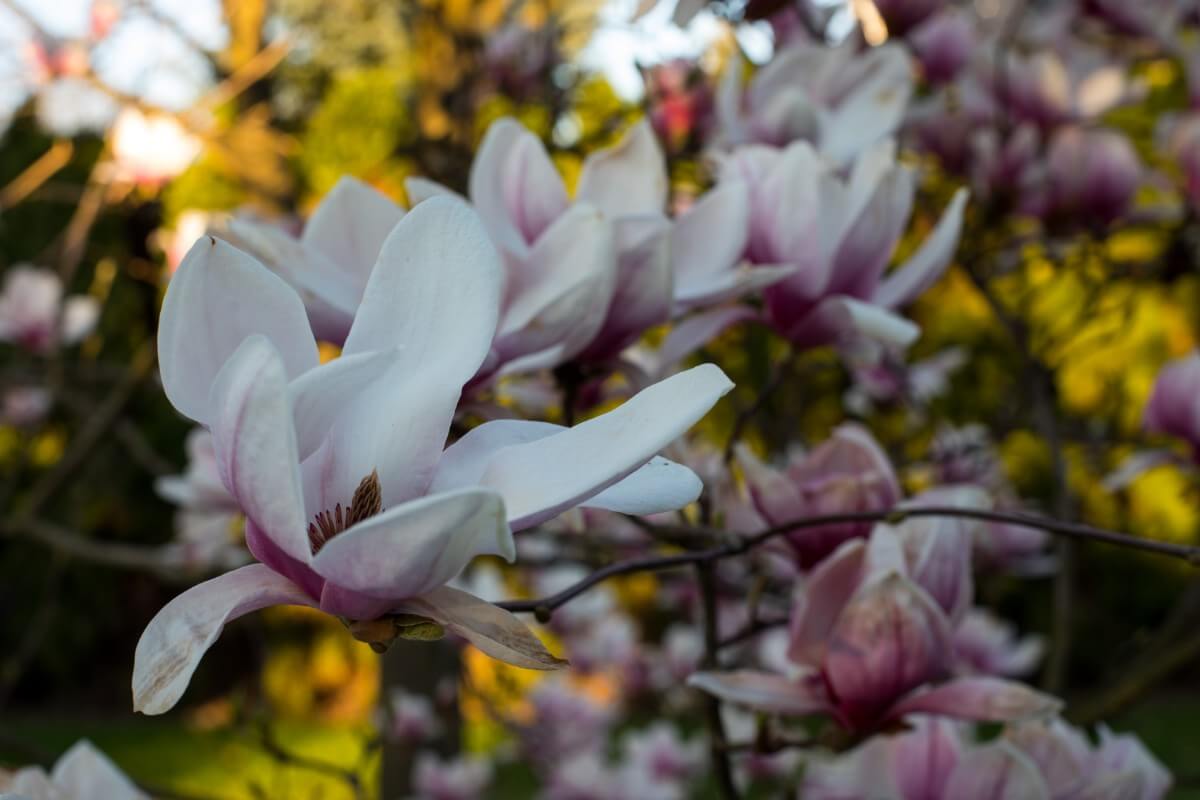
(84, 773)
(981, 699)
(255, 444)
(218, 297)
(435, 293)
(178, 636)
(996, 771)
(543, 478)
(630, 178)
(349, 227)
(926, 265)
(763, 691)
(493, 630)
(418, 546)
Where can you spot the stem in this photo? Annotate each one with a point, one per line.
(774, 381)
(718, 742)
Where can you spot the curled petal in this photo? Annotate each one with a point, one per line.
(175, 640)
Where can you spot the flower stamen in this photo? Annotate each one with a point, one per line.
(366, 502)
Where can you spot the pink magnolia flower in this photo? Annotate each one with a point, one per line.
(1183, 142)
(565, 723)
(871, 646)
(846, 473)
(988, 645)
(82, 773)
(842, 99)
(351, 504)
(329, 264)
(933, 761)
(1118, 767)
(1174, 405)
(1050, 88)
(33, 314)
(460, 778)
(944, 45)
(838, 234)
(1091, 176)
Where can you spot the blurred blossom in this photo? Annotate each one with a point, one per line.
(1047, 90)
(410, 718)
(659, 756)
(208, 525)
(682, 652)
(1092, 176)
(176, 241)
(902, 16)
(842, 99)
(82, 773)
(944, 44)
(848, 472)
(151, 148)
(584, 776)
(1151, 18)
(565, 722)
(457, 778)
(838, 234)
(518, 58)
(24, 406)
(680, 101)
(888, 379)
(988, 645)
(1183, 142)
(870, 645)
(71, 106)
(1118, 766)
(1174, 405)
(33, 314)
(1006, 167)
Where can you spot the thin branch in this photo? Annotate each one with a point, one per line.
(718, 741)
(37, 173)
(110, 554)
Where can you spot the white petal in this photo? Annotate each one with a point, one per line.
(710, 238)
(435, 292)
(661, 485)
(464, 462)
(418, 546)
(321, 396)
(349, 226)
(178, 636)
(255, 444)
(630, 178)
(926, 265)
(79, 316)
(418, 189)
(493, 630)
(540, 479)
(845, 319)
(84, 773)
(732, 284)
(218, 297)
(873, 110)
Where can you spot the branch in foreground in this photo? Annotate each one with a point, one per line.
(544, 607)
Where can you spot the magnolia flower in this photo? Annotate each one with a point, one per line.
(988, 645)
(1174, 405)
(1119, 767)
(841, 99)
(82, 773)
(564, 723)
(460, 778)
(838, 235)
(944, 45)
(151, 148)
(1091, 176)
(1044, 89)
(33, 314)
(846, 473)
(331, 261)
(351, 504)
(933, 761)
(871, 646)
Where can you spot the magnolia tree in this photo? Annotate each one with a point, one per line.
(483, 414)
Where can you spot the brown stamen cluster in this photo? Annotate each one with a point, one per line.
(366, 502)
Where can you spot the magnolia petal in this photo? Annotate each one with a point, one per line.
(867, 245)
(710, 238)
(418, 546)
(543, 478)
(698, 330)
(435, 293)
(873, 110)
(493, 630)
(763, 691)
(218, 297)
(320, 396)
(418, 189)
(823, 597)
(844, 319)
(774, 494)
(661, 485)
(84, 773)
(175, 640)
(982, 699)
(926, 265)
(255, 444)
(738, 281)
(463, 463)
(996, 771)
(923, 758)
(629, 178)
(349, 227)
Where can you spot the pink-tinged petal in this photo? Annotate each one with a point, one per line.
(938, 553)
(493, 630)
(218, 297)
(176, 639)
(821, 601)
(434, 294)
(463, 463)
(775, 495)
(84, 773)
(1059, 751)
(321, 396)
(867, 246)
(418, 189)
(996, 771)
(661, 485)
(923, 759)
(709, 239)
(981, 699)
(845, 320)
(1174, 406)
(1135, 770)
(763, 691)
(514, 186)
(255, 444)
(745, 279)
(926, 265)
(349, 227)
(642, 297)
(873, 110)
(561, 295)
(890, 638)
(698, 330)
(862, 774)
(418, 546)
(629, 178)
(541, 479)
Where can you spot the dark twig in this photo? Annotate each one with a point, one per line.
(718, 741)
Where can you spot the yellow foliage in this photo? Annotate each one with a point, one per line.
(331, 677)
(1162, 505)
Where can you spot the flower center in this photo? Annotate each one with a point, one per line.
(366, 502)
